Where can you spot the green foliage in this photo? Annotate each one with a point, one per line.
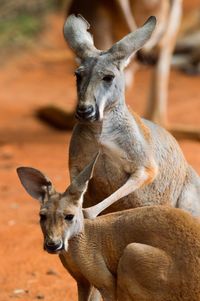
(19, 25)
(19, 30)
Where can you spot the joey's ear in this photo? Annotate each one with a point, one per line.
(77, 35)
(80, 183)
(126, 47)
(35, 182)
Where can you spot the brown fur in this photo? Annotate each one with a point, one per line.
(152, 172)
(145, 254)
(144, 129)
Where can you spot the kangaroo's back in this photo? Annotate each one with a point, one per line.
(167, 228)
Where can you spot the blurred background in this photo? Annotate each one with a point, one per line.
(37, 71)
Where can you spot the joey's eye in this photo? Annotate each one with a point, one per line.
(43, 217)
(69, 217)
(78, 75)
(108, 78)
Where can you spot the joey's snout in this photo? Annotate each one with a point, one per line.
(87, 112)
(53, 247)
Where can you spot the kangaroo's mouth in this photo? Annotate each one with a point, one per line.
(91, 117)
(87, 113)
(54, 248)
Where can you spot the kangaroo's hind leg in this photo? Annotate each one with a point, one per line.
(143, 274)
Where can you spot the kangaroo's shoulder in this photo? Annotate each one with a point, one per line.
(144, 129)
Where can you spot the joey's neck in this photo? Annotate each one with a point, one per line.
(79, 244)
(75, 243)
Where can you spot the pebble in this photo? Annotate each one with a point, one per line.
(40, 297)
(6, 152)
(19, 291)
(51, 272)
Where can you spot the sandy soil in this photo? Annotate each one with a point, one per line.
(28, 81)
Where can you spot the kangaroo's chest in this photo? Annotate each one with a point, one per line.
(116, 162)
(109, 175)
(119, 147)
(119, 157)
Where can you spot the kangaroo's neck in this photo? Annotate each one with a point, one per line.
(82, 247)
(113, 117)
(109, 224)
(115, 114)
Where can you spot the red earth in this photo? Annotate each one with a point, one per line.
(30, 80)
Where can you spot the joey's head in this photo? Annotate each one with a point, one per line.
(100, 76)
(61, 216)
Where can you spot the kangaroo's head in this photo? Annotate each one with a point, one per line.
(100, 78)
(61, 215)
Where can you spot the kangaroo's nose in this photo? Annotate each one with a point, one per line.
(85, 112)
(53, 247)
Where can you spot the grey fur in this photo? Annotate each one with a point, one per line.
(140, 163)
(133, 41)
(79, 39)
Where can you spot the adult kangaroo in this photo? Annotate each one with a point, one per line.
(140, 162)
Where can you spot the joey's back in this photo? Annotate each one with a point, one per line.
(173, 231)
(158, 226)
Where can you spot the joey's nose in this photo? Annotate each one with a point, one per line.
(85, 112)
(53, 247)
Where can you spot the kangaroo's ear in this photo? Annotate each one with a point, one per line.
(35, 182)
(77, 35)
(80, 183)
(123, 50)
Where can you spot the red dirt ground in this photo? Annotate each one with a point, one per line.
(43, 76)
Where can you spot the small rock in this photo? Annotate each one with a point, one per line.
(33, 274)
(6, 152)
(40, 296)
(52, 272)
(19, 291)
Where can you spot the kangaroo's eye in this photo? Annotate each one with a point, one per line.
(69, 217)
(43, 217)
(78, 76)
(108, 78)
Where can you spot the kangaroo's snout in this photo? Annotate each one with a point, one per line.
(87, 113)
(53, 246)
